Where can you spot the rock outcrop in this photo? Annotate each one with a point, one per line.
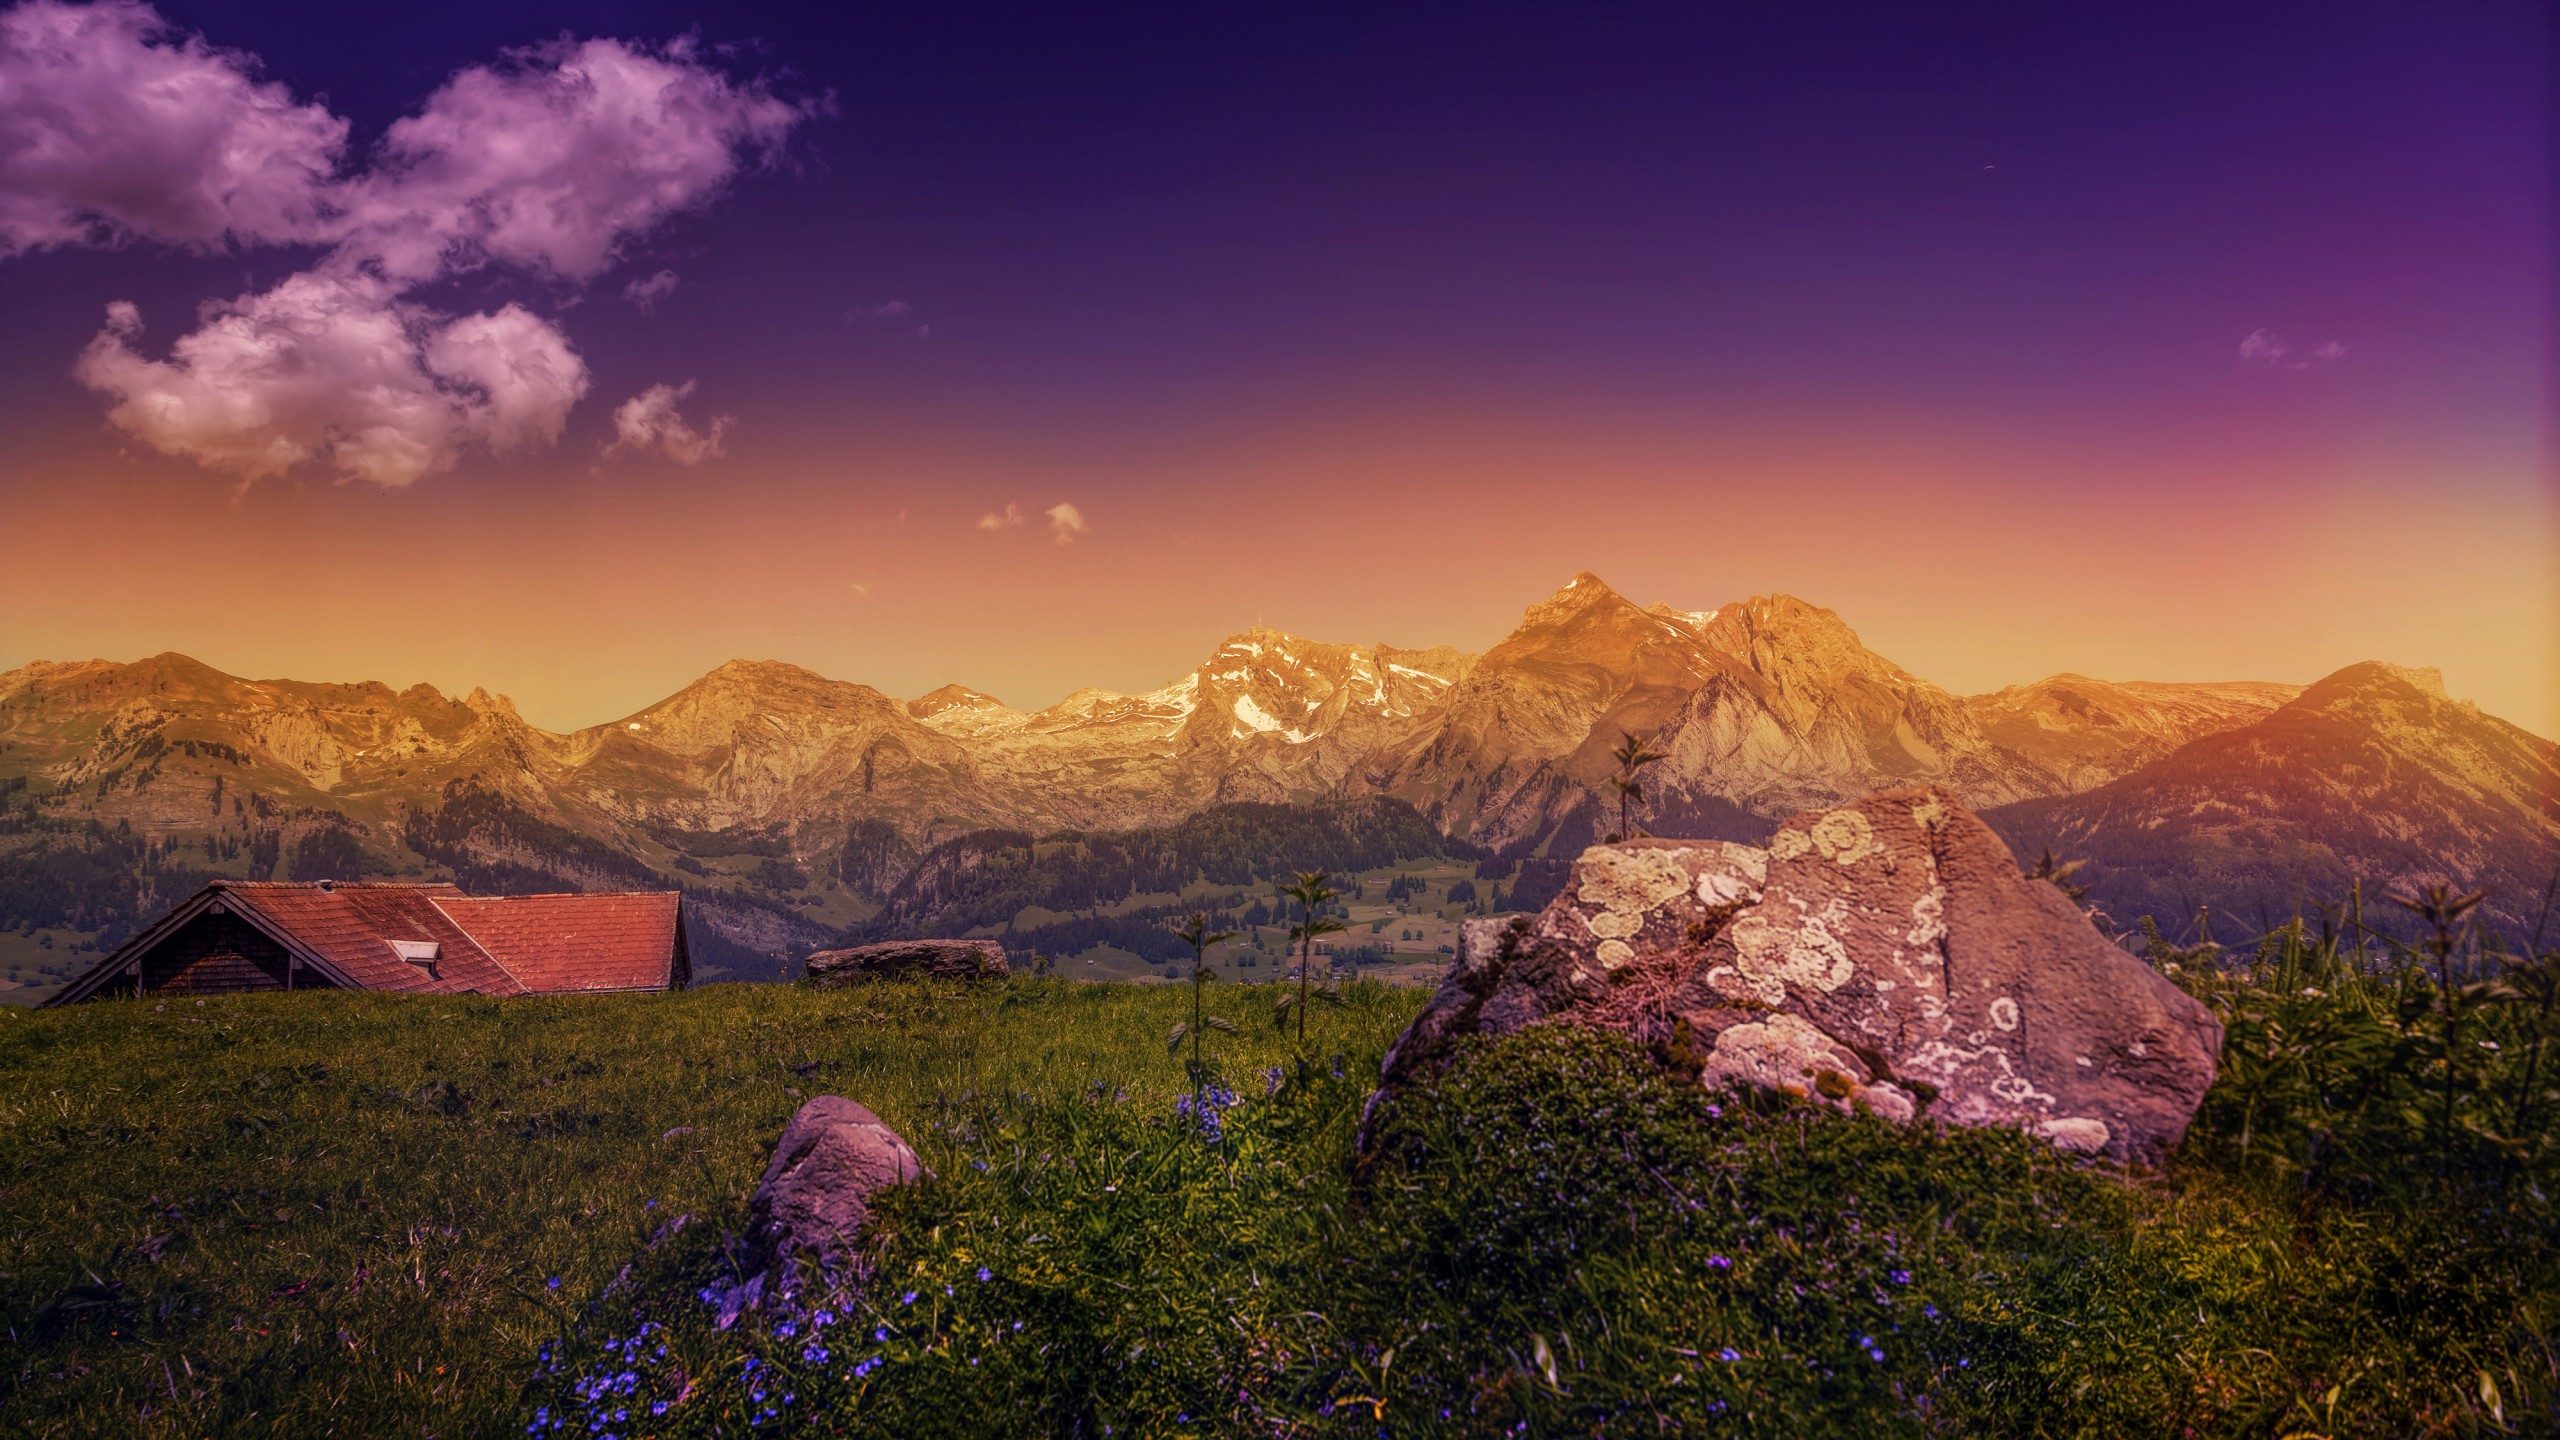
(1886, 955)
(815, 1198)
(900, 959)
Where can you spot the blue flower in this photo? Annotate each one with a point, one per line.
(1901, 1277)
(551, 1284)
(881, 1334)
(907, 1299)
(1728, 1355)
(1929, 1310)
(983, 1274)
(1718, 1262)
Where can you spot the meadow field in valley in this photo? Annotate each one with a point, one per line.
(361, 1215)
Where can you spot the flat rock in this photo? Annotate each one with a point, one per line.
(832, 1160)
(899, 959)
(1886, 955)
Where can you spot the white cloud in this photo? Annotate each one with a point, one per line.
(1005, 519)
(550, 159)
(115, 127)
(648, 422)
(645, 294)
(858, 587)
(2266, 347)
(338, 370)
(1066, 522)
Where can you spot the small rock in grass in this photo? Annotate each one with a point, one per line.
(815, 1197)
(899, 959)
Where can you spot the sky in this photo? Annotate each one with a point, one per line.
(569, 350)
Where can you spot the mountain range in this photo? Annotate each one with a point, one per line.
(791, 803)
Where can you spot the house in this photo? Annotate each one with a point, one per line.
(234, 936)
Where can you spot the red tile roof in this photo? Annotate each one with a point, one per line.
(351, 927)
(557, 943)
(486, 945)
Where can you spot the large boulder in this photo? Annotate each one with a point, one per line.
(1887, 955)
(815, 1198)
(898, 959)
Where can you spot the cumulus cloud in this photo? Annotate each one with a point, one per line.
(114, 127)
(645, 294)
(2267, 348)
(1005, 519)
(1066, 522)
(649, 422)
(551, 159)
(338, 370)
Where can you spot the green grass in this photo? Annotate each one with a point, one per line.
(343, 1214)
(340, 1214)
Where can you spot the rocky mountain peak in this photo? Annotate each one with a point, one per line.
(1583, 595)
(2378, 679)
(482, 702)
(949, 698)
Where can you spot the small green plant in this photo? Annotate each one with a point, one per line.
(1195, 932)
(1313, 890)
(2058, 874)
(2442, 911)
(1634, 752)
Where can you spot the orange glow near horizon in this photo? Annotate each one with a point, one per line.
(587, 595)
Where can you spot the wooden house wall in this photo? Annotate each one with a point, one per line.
(218, 955)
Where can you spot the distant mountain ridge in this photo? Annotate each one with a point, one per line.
(790, 800)
(2373, 776)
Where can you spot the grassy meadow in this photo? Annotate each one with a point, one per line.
(335, 1214)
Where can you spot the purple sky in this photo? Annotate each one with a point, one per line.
(2268, 271)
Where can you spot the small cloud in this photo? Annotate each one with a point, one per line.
(649, 421)
(1005, 519)
(2267, 348)
(1066, 522)
(858, 587)
(644, 295)
(894, 315)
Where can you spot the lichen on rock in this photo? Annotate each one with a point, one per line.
(1886, 955)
